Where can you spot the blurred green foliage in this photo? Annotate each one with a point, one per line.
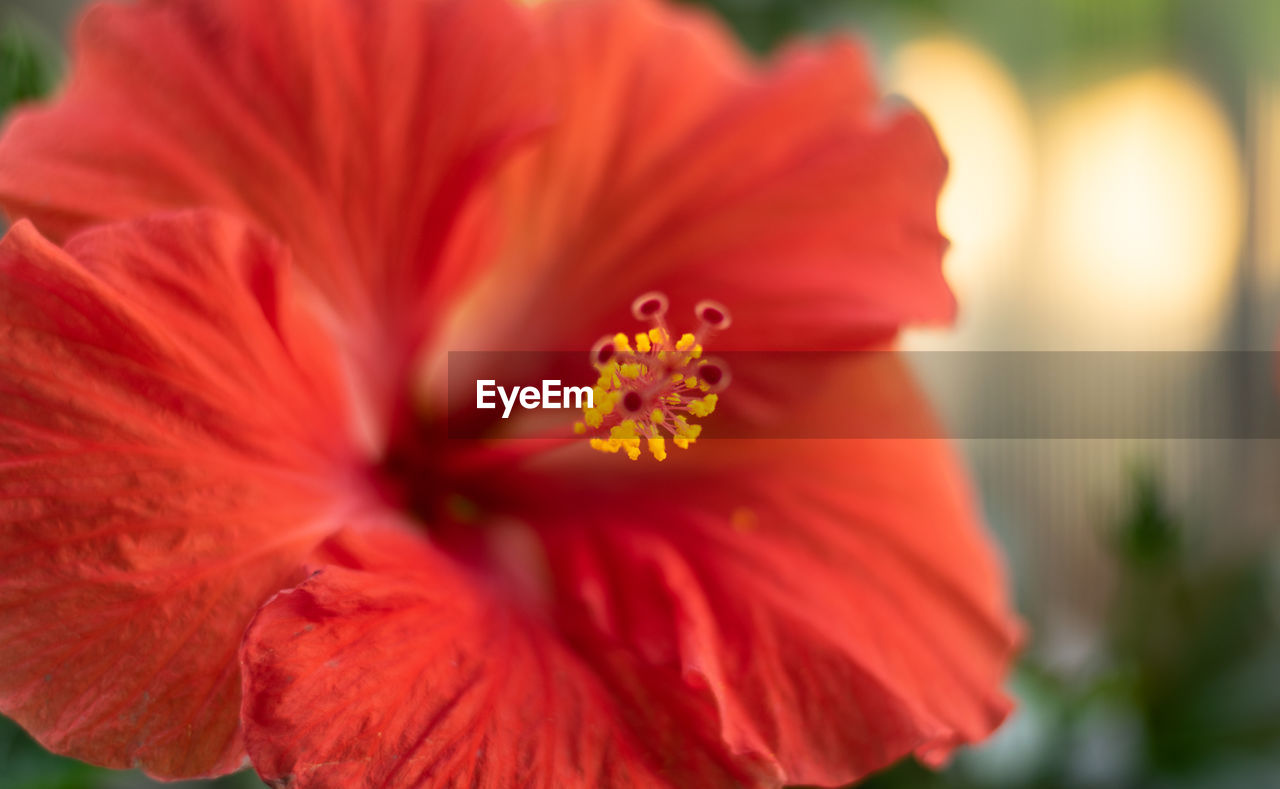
(25, 765)
(1181, 693)
(28, 67)
(1048, 44)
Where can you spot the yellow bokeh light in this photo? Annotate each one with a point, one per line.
(986, 130)
(1143, 214)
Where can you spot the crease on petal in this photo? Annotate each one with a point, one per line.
(786, 191)
(837, 597)
(403, 678)
(360, 134)
(170, 434)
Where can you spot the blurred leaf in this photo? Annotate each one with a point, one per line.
(24, 764)
(764, 24)
(28, 66)
(1187, 697)
(1188, 635)
(1150, 536)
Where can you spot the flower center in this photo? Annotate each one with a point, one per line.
(652, 390)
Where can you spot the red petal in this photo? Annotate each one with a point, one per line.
(353, 131)
(167, 428)
(758, 611)
(837, 597)
(788, 193)
(361, 679)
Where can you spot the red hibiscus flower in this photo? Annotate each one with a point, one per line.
(230, 523)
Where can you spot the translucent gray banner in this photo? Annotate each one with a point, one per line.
(880, 394)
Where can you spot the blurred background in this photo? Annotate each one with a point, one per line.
(1115, 187)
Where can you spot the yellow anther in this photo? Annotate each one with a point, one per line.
(642, 343)
(630, 370)
(656, 416)
(658, 336)
(704, 407)
(658, 448)
(593, 417)
(686, 342)
(686, 430)
(691, 382)
(686, 433)
(605, 445)
(580, 428)
(677, 378)
(622, 342)
(626, 429)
